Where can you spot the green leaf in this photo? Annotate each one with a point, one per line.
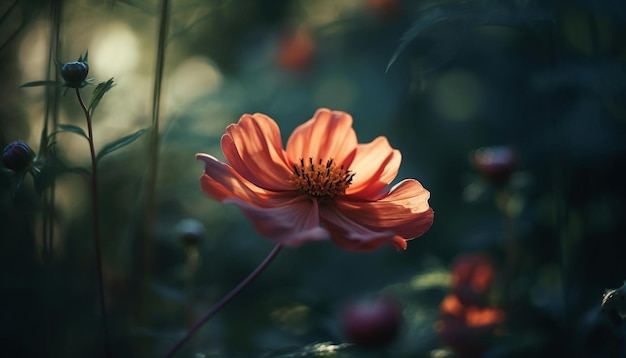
(42, 83)
(428, 18)
(470, 14)
(122, 142)
(44, 142)
(79, 170)
(98, 93)
(82, 58)
(71, 128)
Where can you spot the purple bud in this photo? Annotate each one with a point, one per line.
(74, 73)
(17, 156)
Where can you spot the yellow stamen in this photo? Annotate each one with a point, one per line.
(321, 180)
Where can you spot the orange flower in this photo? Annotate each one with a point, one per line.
(323, 185)
(295, 50)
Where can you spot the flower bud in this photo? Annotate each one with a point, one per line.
(17, 156)
(74, 73)
(190, 231)
(495, 164)
(372, 322)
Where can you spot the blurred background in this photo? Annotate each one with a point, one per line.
(512, 113)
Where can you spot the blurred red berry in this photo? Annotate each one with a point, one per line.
(495, 164)
(18, 156)
(295, 50)
(372, 322)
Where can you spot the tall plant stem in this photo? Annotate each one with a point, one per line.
(150, 180)
(153, 150)
(153, 162)
(218, 306)
(96, 222)
(50, 120)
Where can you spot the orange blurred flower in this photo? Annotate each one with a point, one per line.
(295, 50)
(467, 328)
(472, 277)
(323, 185)
(466, 321)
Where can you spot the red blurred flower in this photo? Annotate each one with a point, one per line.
(472, 276)
(466, 321)
(466, 328)
(323, 185)
(295, 50)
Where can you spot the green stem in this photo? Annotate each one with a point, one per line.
(50, 118)
(149, 199)
(234, 292)
(96, 222)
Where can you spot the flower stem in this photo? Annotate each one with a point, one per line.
(224, 300)
(96, 222)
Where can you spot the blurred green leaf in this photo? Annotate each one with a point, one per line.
(82, 58)
(428, 18)
(471, 14)
(122, 142)
(98, 93)
(44, 142)
(79, 170)
(71, 128)
(42, 83)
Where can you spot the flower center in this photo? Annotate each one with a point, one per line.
(321, 180)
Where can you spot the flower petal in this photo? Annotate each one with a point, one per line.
(401, 214)
(352, 236)
(253, 148)
(328, 135)
(375, 165)
(290, 223)
(221, 182)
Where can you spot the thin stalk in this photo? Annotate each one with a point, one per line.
(513, 246)
(234, 292)
(51, 117)
(96, 222)
(153, 160)
(150, 180)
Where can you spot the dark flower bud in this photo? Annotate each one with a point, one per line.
(17, 156)
(74, 73)
(495, 164)
(190, 231)
(372, 322)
